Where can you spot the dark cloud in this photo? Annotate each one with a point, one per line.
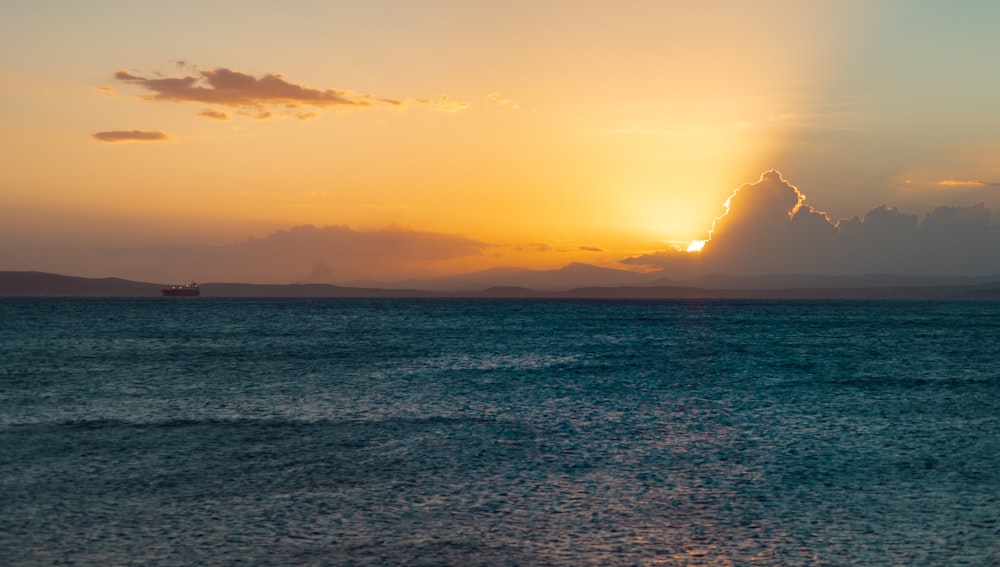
(590, 249)
(130, 136)
(976, 217)
(767, 228)
(308, 253)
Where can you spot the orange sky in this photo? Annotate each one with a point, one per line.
(545, 132)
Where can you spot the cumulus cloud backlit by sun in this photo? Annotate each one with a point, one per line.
(768, 228)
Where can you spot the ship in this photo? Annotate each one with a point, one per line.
(185, 290)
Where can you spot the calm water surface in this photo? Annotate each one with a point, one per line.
(499, 432)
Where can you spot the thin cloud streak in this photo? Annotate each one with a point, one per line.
(214, 114)
(260, 95)
(967, 183)
(503, 101)
(234, 88)
(130, 136)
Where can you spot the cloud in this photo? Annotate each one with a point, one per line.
(214, 114)
(976, 217)
(504, 101)
(333, 254)
(768, 228)
(255, 96)
(234, 88)
(966, 183)
(445, 104)
(261, 95)
(130, 136)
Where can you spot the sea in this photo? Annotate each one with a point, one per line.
(212, 431)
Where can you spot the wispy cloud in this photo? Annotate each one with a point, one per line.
(214, 114)
(263, 96)
(444, 104)
(966, 183)
(504, 101)
(130, 136)
(234, 88)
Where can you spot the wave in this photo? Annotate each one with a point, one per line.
(250, 422)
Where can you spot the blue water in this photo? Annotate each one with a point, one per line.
(499, 432)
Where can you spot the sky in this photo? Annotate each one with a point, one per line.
(384, 140)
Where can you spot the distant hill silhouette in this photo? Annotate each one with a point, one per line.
(40, 284)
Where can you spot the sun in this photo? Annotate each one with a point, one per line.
(696, 246)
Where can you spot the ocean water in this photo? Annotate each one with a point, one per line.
(499, 432)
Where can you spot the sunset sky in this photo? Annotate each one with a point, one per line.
(379, 140)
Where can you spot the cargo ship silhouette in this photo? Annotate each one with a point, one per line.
(186, 290)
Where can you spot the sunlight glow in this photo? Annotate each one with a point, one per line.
(696, 245)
